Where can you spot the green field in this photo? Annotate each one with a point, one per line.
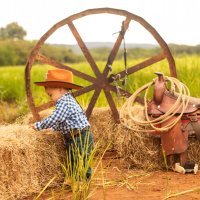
(12, 82)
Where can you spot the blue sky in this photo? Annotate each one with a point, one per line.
(177, 21)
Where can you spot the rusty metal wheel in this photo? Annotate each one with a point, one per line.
(101, 81)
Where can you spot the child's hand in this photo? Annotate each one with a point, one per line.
(33, 127)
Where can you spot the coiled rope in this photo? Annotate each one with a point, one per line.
(130, 121)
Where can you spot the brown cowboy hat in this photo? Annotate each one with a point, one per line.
(59, 78)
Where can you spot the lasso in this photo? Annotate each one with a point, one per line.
(151, 125)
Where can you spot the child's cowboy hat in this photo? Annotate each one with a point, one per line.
(59, 78)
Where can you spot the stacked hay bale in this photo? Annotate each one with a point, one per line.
(30, 159)
(136, 150)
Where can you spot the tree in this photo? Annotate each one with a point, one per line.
(3, 33)
(12, 31)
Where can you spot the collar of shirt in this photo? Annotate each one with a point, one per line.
(63, 97)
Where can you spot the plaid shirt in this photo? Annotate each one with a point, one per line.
(67, 115)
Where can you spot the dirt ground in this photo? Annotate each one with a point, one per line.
(138, 185)
(155, 186)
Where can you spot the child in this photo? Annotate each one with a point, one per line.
(68, 116)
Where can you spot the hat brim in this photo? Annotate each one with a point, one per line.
(59, 84)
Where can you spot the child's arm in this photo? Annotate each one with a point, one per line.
(52, 120)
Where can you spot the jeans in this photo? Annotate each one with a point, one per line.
(79, 148)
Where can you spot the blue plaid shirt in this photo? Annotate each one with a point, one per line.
(67, 115)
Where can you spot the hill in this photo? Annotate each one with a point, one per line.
(96, 45)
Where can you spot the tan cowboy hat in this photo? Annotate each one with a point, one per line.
(59, 78)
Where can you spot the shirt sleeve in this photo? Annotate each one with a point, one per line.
(54, 119)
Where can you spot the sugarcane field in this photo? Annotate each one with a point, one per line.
(98, 120)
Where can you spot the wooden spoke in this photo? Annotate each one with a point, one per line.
(115, 49)
(54, 63)
(125, 93)
(122, 91)
(139, 66)
(45, 106)
(84, 49)
(84, 90)
(77, 93)
(112, 105)
(93, 102)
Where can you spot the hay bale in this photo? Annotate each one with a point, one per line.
(194, 149)
(29, 160)
(137, 150)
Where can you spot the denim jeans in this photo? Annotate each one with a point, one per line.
(80, 145)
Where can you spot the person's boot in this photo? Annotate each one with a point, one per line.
(178, 168)
(191, 167)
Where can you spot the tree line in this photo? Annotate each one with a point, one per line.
(14, 50)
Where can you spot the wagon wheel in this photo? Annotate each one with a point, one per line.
(101, 81)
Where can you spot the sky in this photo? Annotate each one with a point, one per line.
(177, 21)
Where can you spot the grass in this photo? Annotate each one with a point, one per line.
(12, 83)
(81, 189)
(78, 160)
(11, 111)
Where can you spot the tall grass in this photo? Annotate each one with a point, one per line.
(188, 68)
(79, 158)
(12, 83)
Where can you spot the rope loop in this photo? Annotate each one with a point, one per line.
(130, 121)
